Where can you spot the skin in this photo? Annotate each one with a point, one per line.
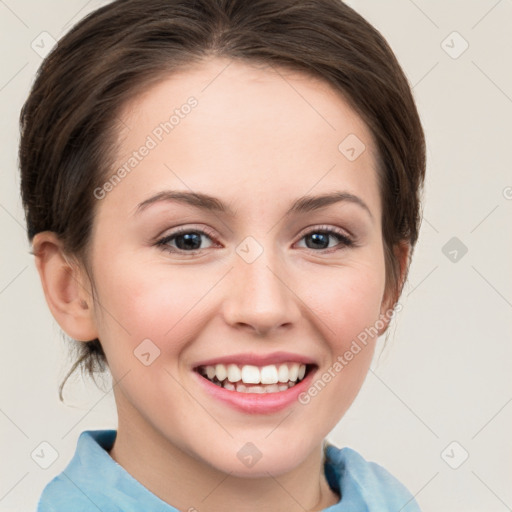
(258, 145)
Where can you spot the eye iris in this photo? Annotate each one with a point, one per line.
(318, 238)
(191, 241)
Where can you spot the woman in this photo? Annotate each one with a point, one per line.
(223, 201)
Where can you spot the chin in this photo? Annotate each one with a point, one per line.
(247, 459)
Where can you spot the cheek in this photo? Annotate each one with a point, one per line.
(145, 300)
(349, 309)
(347, 301)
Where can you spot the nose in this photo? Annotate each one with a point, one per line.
(259, 297)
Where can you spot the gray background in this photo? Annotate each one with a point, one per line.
(442, 388)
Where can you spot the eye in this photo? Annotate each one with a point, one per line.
(188, 240)
(185, 240)
(319, 238)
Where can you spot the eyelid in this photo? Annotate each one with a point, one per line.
(161, 241)
(326, 227)
(346, 239)
(191, 228)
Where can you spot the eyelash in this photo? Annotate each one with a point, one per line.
(345, 241)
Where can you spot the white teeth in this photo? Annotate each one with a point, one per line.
(220, 372)
(283, 373)
(210, 372)
(293, 372)
(255, 389)
(273, 378)
(229, 385)
(251, 374)
(269, 374)
(234, 373)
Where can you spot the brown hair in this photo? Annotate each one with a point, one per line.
(69, 121)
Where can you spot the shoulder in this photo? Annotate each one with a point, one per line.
(60, 495)
(93, 482)
(77, 486)
(365, 482)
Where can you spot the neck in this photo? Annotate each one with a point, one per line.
(188, 483)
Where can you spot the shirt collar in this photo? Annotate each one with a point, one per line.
(363, 486)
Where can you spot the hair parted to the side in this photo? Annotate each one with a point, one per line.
(69, 121)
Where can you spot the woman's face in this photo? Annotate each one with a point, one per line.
(268, 279)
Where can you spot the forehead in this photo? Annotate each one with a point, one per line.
(234, 89)
(252, 127)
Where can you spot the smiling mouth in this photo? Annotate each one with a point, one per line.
(255, 379)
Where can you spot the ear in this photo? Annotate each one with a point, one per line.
(65, 286)
(402, 253)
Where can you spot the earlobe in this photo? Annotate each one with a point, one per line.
(66, 290)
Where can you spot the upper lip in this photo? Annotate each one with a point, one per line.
(251, 358)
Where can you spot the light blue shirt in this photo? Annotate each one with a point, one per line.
(93, 481)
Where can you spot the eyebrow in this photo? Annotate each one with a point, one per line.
(206, 202)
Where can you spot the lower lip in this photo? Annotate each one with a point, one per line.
(258, 403)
